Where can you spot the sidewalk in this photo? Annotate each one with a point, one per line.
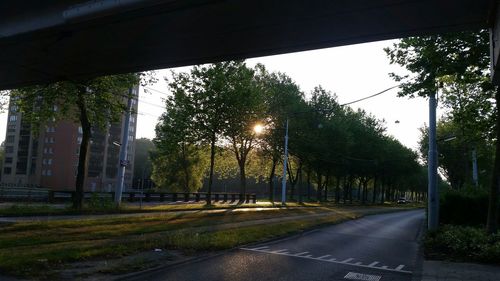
(451, 271)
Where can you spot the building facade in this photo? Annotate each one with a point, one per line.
(49, 157)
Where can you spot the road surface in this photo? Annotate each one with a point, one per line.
(373, 248)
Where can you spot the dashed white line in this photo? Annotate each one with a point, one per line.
(284, 252)
(400, 267)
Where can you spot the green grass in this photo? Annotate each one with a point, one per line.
(41, 247)
(37, 209)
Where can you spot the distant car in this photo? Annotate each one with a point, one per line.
(402, 200)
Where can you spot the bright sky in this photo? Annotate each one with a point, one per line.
(351, 72)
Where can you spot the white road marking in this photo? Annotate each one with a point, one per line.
(260, 248)
(332, 260)
(282, 251)
(360, 276)
(322, 257)
(400, 267)
(358, 263)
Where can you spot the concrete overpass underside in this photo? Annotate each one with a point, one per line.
(44, 41)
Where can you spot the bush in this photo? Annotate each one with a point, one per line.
(465, 207)
(463, 243)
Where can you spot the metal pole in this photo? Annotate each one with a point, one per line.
(474, 167)
(285, 159)
(142, 187)
(123, 151)
(433, 199)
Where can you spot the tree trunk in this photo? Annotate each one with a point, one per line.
(271, 180)
(84, 147)
(337, 190)
(211, 173)
(318, 191)
(492, 222)
(243, 177)
(327, 178)
(300, 186)
(374, 197)
(309, 185)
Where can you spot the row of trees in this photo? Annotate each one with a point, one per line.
(213, 108)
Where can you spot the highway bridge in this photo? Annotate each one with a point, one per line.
(44, 41)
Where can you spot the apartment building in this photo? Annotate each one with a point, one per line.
(49, 158)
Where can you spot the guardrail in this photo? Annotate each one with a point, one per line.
(133, 196)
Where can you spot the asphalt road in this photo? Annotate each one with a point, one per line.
(374, 248)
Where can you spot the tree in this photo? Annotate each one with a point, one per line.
(245, 109)
(142, 161)
(459, 60)
(178, 160)
(92, 103)
(282, 98)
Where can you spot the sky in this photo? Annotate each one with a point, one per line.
(351, 72)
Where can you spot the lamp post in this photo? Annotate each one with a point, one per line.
(433, 199)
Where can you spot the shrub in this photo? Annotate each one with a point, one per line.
(463, 243)
(465, 207)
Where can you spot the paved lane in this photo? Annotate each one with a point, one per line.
(379, 247)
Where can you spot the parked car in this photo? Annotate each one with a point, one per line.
(402, 200)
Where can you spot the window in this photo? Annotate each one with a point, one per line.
(9, 149)
(49, 172)
(80, 131)
(9, 139)
(45, 151)
(44, 173)
(50, 150)
(8, 160)
(51, 139)
(13, 118)
(46, 140)
(7, 170)
(13, 108)
(79, 140)
(11, 128)
(44, 161)
(49, 161)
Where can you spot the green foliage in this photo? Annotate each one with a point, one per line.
(464, 207)
(180, 170)
(463, 243)
(142, 160)
(219, 104)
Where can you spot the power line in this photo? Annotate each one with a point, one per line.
(368, 97)
(158, 91)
